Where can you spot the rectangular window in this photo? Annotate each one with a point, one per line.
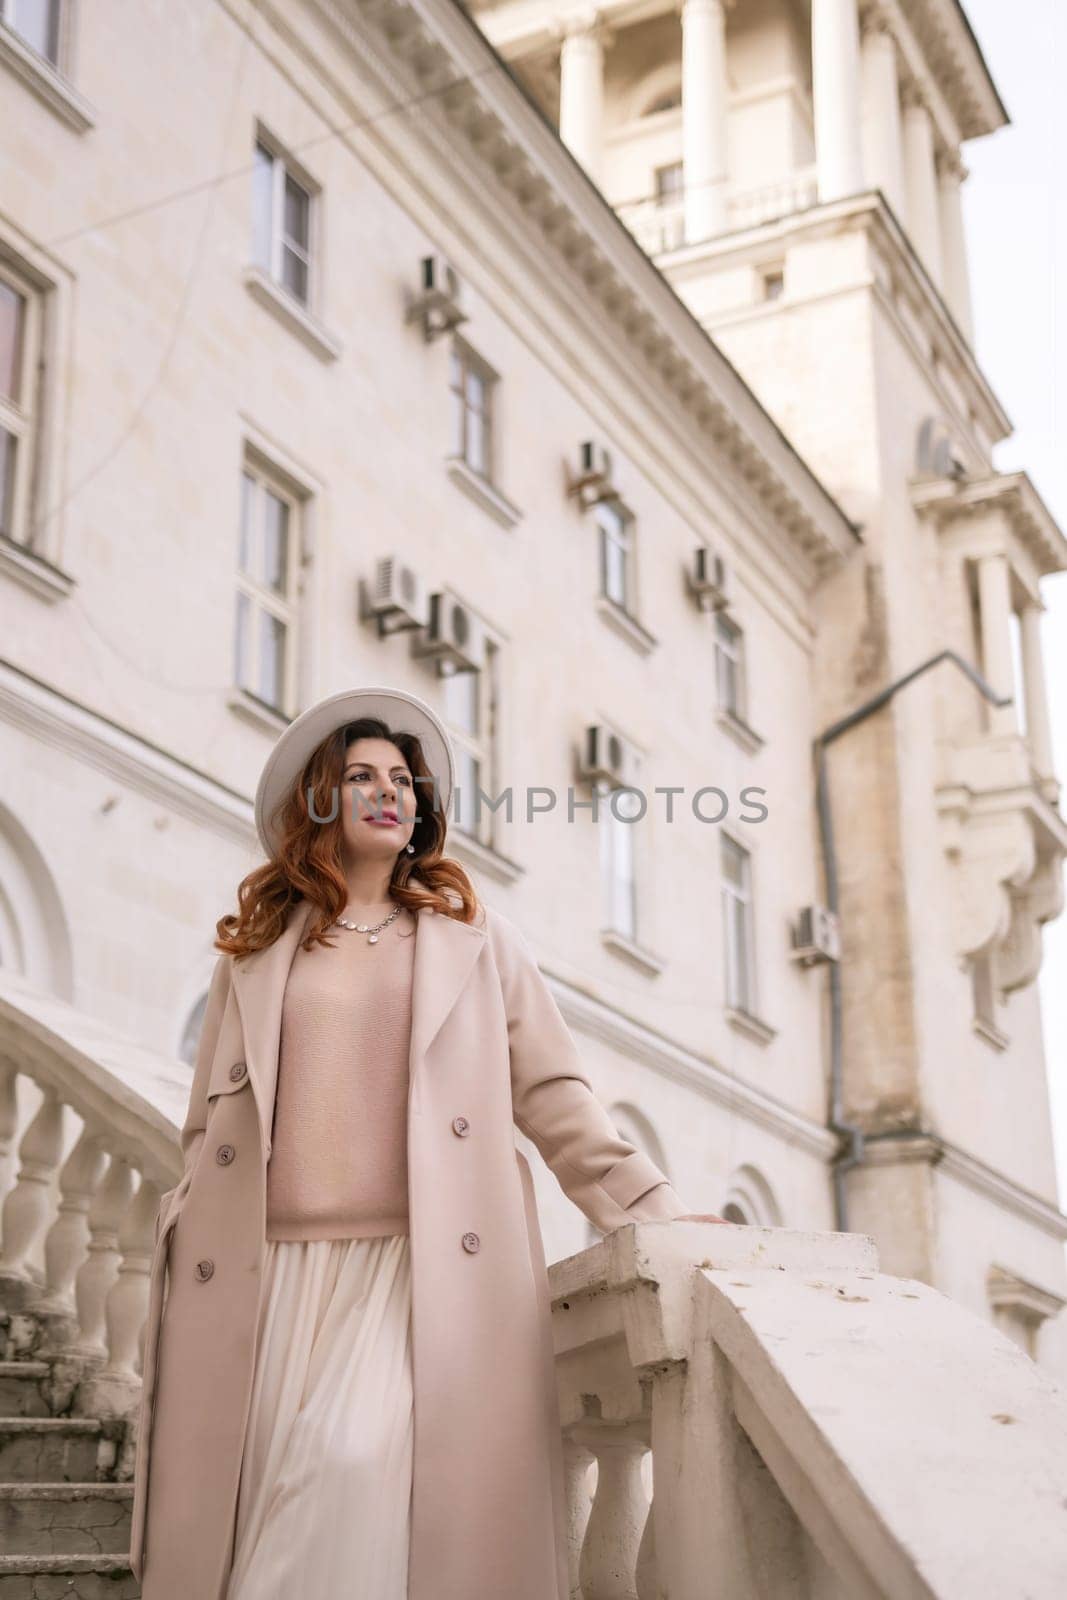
(615, 524)
(617, 814)
(738, 934)
(281, 222)
(265, 623)
(729, 666)
(471, 383)
(670, 183)
(471, 711)
(37, 23)
(21, 314)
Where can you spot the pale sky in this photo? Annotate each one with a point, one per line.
(1015, 208)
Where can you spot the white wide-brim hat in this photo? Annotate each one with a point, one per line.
(399, 710)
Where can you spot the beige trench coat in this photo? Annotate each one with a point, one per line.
(489, 1044)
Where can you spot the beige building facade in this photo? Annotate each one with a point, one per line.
(325, 360)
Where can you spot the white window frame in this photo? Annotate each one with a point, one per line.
(262, 599)
(9, 14)
(480, 746)
(618, 861)
(739, 965)
(21, 417)
(463, 361)
(271, 260)
(616, 526)
(730, 664)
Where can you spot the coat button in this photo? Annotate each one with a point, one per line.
(461, 1126)
(471, 1242)
(204, 1269)
(237, 1071)
(225, 1154)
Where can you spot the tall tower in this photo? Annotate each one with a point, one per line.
(795, 171)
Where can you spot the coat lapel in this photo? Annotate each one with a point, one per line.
(445, 954)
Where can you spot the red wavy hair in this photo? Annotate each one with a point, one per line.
(307, 863)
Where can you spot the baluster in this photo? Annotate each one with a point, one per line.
(114, 1390)
(28, 1206)
(9, 1121)
(65, 1245)
(577, 1461)
(100, 1267)
(617, 1519)
(647, 1572)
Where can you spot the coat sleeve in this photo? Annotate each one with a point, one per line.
(195, 1124)
(553, 1103)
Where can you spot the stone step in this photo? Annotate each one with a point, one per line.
(51, 1519)
(49, 1449)
(68, 1578)
(21, 1388)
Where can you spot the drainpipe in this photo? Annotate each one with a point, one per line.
(851, 1147)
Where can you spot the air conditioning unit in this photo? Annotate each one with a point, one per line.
(593, 480)
(709, 578)
(396, 597)
(605, 756)
(453, 637)
(438, 301)
(816, 936)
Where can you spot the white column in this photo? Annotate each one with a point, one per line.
(951, 174)
(994, 604)
(835, 71)
(920, 183)
(1037, 722)
(704, 97)
(883, 162)
(581, 97)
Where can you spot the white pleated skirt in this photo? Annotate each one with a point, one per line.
(324, 1502)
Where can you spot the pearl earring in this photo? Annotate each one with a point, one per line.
(410, 848)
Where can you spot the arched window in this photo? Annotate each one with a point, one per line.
(751, 1200)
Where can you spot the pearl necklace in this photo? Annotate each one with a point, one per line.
(363, 927)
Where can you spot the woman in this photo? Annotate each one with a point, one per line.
(348, 1370)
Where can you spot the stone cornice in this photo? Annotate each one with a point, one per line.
(954, 1162)
(940, 52)
(1029, 519)
(51, 717)
(468, 133)
(871, 212)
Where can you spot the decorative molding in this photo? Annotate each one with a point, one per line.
(1006, 1289)
(739, 730)
(636, 954)
(33, 571)
(705, 1077)
(954, 1162)
(50, 717)
(625, 625)
(903, 275)
(482, 492)
(318, 338)
(492, 862)
(501, 153)
(43, 80)
(1032, 524)
(268, 719)
(752, 1027)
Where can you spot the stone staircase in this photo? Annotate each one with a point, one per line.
(64, 1517)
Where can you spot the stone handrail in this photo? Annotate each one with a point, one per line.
(77, 1229)
(814, 1429)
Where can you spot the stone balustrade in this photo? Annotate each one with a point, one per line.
(80, 1187)
(757, 1412)
(746, 1411)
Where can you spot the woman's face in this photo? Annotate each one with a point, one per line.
(376, 783)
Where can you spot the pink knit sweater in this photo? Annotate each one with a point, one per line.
(338, 1162)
